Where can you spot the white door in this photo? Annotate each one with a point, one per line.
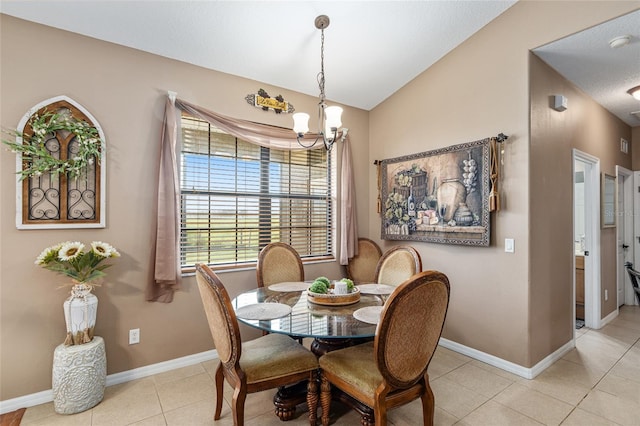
(625, 229)
(588, 210)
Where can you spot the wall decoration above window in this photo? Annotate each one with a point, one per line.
(440, 196)
(60, 167)
(266, 102)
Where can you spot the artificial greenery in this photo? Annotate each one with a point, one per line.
(38, 160)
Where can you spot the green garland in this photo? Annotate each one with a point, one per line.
(37, 160)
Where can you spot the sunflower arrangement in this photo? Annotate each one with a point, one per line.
(38, 159)
(70, 259)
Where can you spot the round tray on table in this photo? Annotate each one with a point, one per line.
(331, 299)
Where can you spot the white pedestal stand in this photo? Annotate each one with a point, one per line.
(79, 376)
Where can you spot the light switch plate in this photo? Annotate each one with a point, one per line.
(509, 245)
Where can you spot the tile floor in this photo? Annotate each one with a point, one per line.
(597, 383)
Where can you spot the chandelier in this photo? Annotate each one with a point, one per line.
(329, 117)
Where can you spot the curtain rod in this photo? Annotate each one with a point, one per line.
(500, 138)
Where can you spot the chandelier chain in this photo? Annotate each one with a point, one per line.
(321, 73)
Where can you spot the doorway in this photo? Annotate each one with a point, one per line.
(586, 238)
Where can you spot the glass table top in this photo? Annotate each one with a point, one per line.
(308, 319)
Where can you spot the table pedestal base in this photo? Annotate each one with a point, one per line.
(287, 398)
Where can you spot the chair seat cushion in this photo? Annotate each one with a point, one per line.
(273, 356)
(356, 366)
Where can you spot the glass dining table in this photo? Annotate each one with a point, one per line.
(284, 308)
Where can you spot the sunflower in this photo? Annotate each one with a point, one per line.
(70, 251)
(104, 249)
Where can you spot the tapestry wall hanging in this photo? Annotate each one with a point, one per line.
(439, 196)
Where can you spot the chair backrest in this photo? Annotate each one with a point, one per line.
(398, 264)
(278, 263)
(220, 315)
(410, 327)
(362, 267)
(634, 276)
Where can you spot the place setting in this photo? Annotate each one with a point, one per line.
(263, 311)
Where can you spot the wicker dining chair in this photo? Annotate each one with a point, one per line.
(362, 267)
(278, 263)
(392, 370)
(264, 363)
(397, 265)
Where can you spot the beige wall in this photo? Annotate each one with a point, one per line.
(125, 90)
(590, 128)
(476, 91)
(499, 305)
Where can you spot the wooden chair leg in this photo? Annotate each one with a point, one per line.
(312, 398)
(219, 391)
(325, 399)
(237, 406)
(428, 404)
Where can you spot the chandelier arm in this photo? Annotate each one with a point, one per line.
(311, 145)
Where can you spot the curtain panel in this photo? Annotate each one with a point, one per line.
(167, 271)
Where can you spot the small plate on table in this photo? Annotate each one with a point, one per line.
(263, 311)
(369, 314)
(376, 288)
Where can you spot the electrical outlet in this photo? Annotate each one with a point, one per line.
(134, 336)
(606, 295)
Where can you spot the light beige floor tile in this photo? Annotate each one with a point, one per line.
(127, 403)
(612, 408)
(495, 414)
(37, 412)
(80, 419)
(603, 342)
(178, 374)
(596, 360)
(411, 415)
(151, 421)
(454, 398)
(478, 380)
(498, 371)
(581, 331)
(558, 387)
(579, 417)
(199, 414)
(210, 366)
(538, 406)
(621, 387)
(629, 365)
(622, 334)
(628, 322)
(444, 361)
(574, 372)
(186, 391)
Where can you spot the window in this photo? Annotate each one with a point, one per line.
(237, 197)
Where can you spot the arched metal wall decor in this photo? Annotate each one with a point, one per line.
(61, 200)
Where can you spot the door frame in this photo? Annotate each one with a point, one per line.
(592, 285)
(626, 184)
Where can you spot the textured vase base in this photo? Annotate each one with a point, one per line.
(79, 376)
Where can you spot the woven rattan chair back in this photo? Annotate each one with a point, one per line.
(410, 327)
(220, 315)
(397, 265)
(277, 263)
(362, 267)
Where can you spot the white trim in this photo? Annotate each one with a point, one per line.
(103, 170)
(527, 373)
(626, 186)
(592, 285)
(112, 379)
(606, 320)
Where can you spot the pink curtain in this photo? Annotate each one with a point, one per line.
(348, 220)
(167, 272)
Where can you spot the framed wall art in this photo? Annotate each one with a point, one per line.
(439, 196)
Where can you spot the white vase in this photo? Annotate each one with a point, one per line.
(80, 311)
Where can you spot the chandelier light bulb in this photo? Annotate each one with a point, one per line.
(301, 123)
(635, 92)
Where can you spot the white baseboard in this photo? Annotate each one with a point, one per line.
(112, 379)
(606, 320)
(527, 373)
